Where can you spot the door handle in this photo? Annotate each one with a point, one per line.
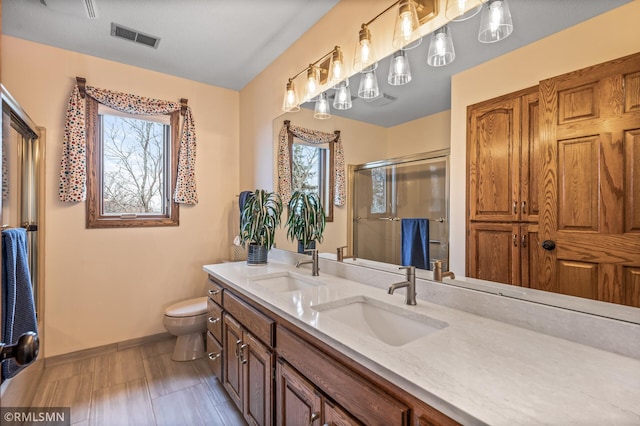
(515, 207)
(238, 343)
(24, 351)
(515, 240)
(524, 207)
(548, 245)
(213, 356)
(314, 416)
(213, 320)
(243, 360)
(524, 240)
(214, 292)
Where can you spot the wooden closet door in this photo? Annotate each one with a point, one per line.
(590, 140)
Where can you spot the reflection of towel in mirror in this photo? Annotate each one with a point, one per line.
(18, 307)
(415, 243)
(242, 198)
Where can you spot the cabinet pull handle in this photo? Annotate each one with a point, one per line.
(524, 207)
(243, 360)
(238, 343)
(213, 320)
(213, 356)
(515, 240)
(214, 292)
(314, 416)
(515, 207)
(524, 240)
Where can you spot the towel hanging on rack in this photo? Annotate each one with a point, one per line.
(415, 243)
(18, 307)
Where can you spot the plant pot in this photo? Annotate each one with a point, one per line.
(301, 248)
(257, 255)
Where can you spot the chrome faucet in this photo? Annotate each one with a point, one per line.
(341, 256)
(438, 275)
(410, 284)
(314, 262)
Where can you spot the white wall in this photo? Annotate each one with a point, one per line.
(109, 285)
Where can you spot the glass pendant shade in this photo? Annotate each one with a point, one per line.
(495, 21)
(322, 110)
(455, 10)
(342, 99)
(336, 68)
(441, 51)
(313, 82)
(290, 102)
(399, 69)
(368, 84)
(406, 24)
(364, 55)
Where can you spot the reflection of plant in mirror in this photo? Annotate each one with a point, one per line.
(306, 218)
(260, 216)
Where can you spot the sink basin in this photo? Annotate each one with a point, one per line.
(389, 324)
(285, 281)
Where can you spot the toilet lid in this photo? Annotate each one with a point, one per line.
(188, 308)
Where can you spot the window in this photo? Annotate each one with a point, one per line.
(312, 171)
(131, 163)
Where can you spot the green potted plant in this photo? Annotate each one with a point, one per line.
(258, 221)
(306, 220)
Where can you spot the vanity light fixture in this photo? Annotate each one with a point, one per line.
(455, 10)
(342, 99)
(495, 21)
(369, 83)
(406, 24)
(365, 54)
(290, 102)
(329, 66)
(399, 69)
(322, 110)
(441, 51)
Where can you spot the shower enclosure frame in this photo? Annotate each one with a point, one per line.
(407, 159)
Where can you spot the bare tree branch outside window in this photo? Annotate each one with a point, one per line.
(133, 171)
(304, 168)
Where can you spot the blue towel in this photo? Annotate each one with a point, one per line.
(415, 243)
(18, 307)
(242, 198)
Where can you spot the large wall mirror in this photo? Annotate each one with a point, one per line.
(416, 118)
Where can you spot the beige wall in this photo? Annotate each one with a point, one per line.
(109, 285)
(605, 37)
(425, 134)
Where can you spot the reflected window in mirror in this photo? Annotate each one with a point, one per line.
(312, 171)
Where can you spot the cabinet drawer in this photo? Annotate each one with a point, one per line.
(214, 354)
(256, 322)
(214, 319)
(370, 405)
(215, 291)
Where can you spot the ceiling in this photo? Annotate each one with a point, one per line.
(227, 43)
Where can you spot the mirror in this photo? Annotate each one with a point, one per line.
(374, 132)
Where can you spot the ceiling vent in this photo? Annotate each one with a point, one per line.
(381, 100)
(90, 6)
(88, 9)
(118, 30)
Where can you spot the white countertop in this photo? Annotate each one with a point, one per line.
(475, 370)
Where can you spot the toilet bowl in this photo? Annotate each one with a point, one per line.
(188, 321)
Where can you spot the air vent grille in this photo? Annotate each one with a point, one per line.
(118, 30)
(91, 9)
(381, 100)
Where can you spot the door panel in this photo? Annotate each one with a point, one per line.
(232, 368)
(494, 252)
(297, 400)
(494, 143)
(530, 158)
(258, 369)
(589, 145)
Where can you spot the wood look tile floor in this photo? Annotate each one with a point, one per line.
(138, 386)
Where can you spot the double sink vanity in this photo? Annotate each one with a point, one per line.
(337, 348)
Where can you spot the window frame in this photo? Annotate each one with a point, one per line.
(327, 181)
(94, 216)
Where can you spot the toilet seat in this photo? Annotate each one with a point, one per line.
(188, 308)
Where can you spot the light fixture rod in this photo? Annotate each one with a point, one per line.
(382, 13)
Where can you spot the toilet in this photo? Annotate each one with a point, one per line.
(188, 321)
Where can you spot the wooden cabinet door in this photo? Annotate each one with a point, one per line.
(494, 252)
(529, 202)
(297, 400)
(590, 140)
(257, 366)
(214, 355)
(493, 155)
(334, 415)
(232, 370)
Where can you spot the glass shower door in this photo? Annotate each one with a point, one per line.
(387, 192)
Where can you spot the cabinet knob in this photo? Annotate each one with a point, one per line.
(548, 245)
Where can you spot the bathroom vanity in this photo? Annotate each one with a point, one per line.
(295, 349)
